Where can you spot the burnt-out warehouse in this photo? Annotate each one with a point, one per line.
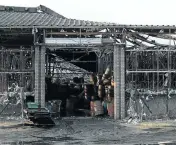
(85, 68)
(77, 72)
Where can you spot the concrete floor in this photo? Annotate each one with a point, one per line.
(87, 131)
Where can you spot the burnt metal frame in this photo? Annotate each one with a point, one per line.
(158, 50)
(154, 74)
(116, 32)
(22, 70)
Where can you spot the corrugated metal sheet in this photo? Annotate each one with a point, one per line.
(73, 41)
(22, 17)
(40, 8)
(66, 70)
(17, 19)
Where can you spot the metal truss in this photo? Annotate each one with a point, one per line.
(17, 66)
(149, 60)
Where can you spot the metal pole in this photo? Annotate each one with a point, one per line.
(22, 104)
(153, 67)
(157, 59)
(80, 35)
(169, 78)
(47, 63)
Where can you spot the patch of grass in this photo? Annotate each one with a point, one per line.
(145, 125)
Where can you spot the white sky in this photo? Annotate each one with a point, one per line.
(161, 12)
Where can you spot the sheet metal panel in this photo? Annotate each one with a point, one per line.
(9, 19)
(20, 17)
(73, 41)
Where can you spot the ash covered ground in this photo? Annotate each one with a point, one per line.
(87, 131)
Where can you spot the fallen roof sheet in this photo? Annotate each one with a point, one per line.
(66, 70)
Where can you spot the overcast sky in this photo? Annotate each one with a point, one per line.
(161, 12)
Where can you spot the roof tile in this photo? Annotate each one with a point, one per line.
(12, 19)
(29, 17)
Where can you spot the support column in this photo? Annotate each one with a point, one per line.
(119, 80)
(43, 50)
(40, 75)
(117, 101)
(37, 74)
(122, 82)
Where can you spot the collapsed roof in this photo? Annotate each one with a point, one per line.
(68, 70)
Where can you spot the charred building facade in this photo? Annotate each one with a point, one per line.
(38, 43)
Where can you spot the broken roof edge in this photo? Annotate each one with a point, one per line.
(39, 9)
(49, 11)
(103, 26)
(60, 23)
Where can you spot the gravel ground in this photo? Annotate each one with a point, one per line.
(87, 131)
